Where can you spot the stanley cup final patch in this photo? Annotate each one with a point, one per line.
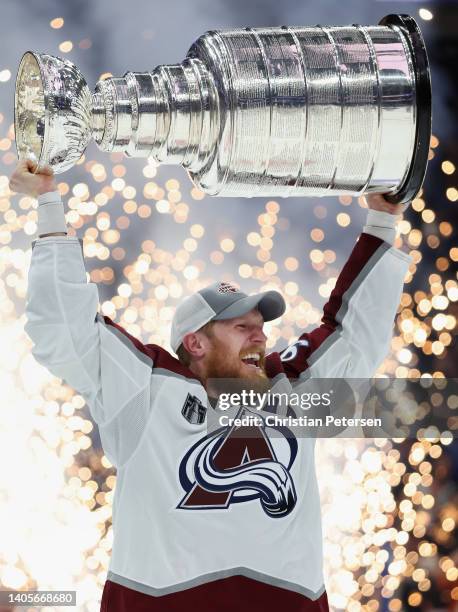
(193, 410)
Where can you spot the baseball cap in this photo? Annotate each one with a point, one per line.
(220, 301)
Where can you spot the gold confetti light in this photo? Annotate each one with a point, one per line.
(425, 14)
(227, 245)
(291, 264)
(343, 219)
(5, 75)
(57, 23)
(66, 46)
(448, 167)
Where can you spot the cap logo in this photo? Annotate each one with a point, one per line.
(227, 288)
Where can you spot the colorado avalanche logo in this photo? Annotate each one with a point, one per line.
(240, 464)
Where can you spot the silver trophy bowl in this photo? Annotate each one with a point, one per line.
(52, 112)
(286, 111)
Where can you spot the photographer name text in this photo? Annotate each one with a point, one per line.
(253, 420)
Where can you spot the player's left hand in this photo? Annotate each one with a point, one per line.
(376, 201)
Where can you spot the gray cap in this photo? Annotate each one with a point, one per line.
(220, 301)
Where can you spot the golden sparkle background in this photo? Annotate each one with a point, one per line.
(389, 507)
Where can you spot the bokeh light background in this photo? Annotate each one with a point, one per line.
(389, 507)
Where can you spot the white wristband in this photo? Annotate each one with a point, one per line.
(381, 224)
(51, 215)
(379, 218)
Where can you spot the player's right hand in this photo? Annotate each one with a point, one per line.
(376, 201)
(23, 179)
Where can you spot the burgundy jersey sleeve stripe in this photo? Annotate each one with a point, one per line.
(366, 294)
(361, 254)
(161, 359)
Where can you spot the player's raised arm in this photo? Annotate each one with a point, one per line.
(106, 365)
(357, 324)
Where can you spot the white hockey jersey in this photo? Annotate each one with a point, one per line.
(178, 546)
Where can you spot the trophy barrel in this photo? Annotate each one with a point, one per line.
(318, 111)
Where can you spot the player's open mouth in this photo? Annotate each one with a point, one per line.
(252, 359)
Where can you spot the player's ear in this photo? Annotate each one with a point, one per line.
(195, 343)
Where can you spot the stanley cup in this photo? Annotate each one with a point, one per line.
(284, 111)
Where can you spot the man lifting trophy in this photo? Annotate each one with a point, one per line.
(205, 520)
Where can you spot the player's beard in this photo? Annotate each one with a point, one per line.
(221, 365)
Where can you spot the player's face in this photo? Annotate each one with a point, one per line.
(237, 348)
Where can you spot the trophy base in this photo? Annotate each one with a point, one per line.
(414, 180)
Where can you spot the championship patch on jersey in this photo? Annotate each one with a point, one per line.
(227, 288)
(193, 410)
